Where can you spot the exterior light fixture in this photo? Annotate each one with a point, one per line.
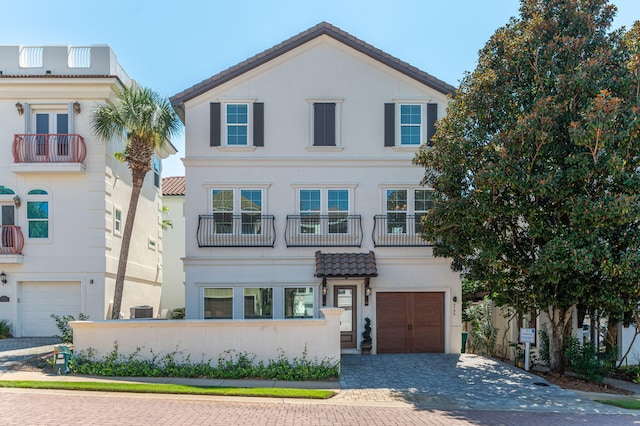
(324, 291)
(16, 201)
(20, 108)
(367, 291)
(76, 107)
(3, 278)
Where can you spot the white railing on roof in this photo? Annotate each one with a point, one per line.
(79, 57)
(31, 57)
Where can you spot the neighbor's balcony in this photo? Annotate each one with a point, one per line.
(11, 240)
(315, 230)
(228, 230)
(398, 230)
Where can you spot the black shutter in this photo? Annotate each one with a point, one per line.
(258, 124)
(432, 117)
(324, 124)
(389, 124)
(214, 124)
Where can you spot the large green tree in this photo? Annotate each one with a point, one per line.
(535, 166)
(145, 120)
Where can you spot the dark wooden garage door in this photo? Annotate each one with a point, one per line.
(410, 322)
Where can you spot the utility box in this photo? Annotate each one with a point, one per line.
(61, 356)
(143, 311)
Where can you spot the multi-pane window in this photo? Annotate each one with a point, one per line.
(396, 211)
(410, 124)
(258, 303)
(237, 211)
(338, 210)
(38, 214)
(218, 303)
(255, 301)
(117, 221)
(310, 211)
(405, 208)
(334, 203)
(422, 203)
(237, 124)
(298, 302)
(156, 171)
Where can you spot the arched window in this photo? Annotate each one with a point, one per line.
(38, 213)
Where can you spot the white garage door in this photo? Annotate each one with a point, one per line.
(38, 300)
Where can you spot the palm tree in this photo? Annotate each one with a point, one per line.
(145, 120)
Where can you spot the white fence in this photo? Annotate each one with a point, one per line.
(206, 340)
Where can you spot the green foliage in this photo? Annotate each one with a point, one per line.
(534, 167)
(366, 334)
(482, 337)
(519, 354)
(543, 344)
(231, 365)
(5, 329)
(178, 313)
(585, 362)
(62, 323)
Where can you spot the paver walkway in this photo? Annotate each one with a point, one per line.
(19, 349)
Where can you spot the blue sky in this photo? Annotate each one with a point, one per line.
(170, 46)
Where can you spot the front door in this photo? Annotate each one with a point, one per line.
(52, 129)
(344, 296)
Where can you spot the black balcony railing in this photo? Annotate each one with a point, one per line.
(229, 230)
(315, 230)
(398, 230)
(49, 148)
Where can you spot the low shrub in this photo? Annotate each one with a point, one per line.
(231, 365)
(586, 362)
(5, 329)
(62, 322)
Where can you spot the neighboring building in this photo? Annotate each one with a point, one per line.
(301, 193)
(173, 242)
(63, 195)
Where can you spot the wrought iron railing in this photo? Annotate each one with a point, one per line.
(398, 230)
(11, 239)
(229, 230)
(315, 230)
(49, 148)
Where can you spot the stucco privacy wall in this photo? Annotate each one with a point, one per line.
(203, 340)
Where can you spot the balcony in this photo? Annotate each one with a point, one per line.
(48, 152)
(315, 230)
(11, 240)
(228, 230)
(398, 230)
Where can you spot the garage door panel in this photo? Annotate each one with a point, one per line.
(39, 300)
(410, 322)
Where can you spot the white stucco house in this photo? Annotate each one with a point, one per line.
(301, 194)
(173, 242)
(63, 195)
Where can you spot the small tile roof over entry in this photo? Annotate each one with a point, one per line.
(173, 185)
(345, 265)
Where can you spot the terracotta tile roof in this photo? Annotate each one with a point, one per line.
(323, 28)
(330, 265)
(173, 185)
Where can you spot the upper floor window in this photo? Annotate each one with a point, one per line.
(38, 214)
(409, 124)
(325, 122)
(157, 167)
(117, 221)
(237, 123)
(237, 211)
(333, 203)
(405, 208)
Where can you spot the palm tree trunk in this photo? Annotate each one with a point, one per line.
(126, 242)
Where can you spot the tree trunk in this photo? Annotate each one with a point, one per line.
(559, 321)
(126, 242)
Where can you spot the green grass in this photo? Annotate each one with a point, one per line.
(629, 404)
(170, 389)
